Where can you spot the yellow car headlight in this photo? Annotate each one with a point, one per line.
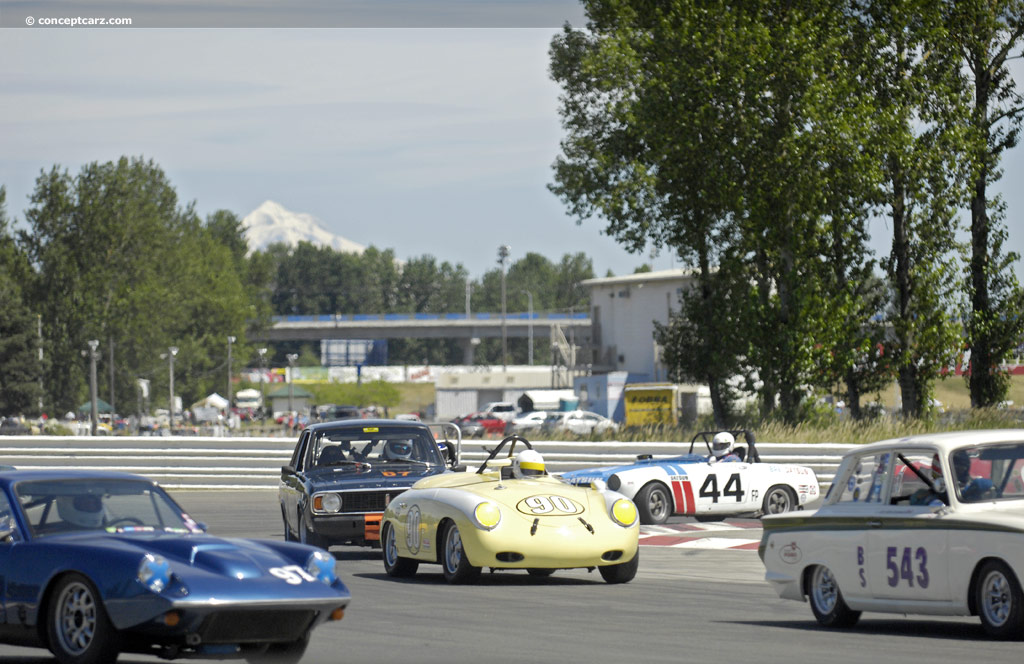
(487, 515)
(624, 512)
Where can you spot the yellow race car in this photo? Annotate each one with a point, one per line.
(510, 514)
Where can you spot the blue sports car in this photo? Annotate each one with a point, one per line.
(97, 563)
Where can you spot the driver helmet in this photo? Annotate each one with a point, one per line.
(528, 463)
(962, 466)
(398, 449)
(84, 511)
(722, 444)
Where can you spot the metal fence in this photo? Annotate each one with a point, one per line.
(179, 462)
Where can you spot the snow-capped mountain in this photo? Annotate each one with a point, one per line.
(271, 222)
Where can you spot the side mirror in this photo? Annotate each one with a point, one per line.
(499, 463)
(287, 469)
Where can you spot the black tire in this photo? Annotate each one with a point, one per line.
(540, 571)
(281, 653)
(778, 500)
(621, 573)
(827, 601)
(654, 503)
(77, 627)
(395, 565)
(307, 536)
(997, 595)
(454, 562)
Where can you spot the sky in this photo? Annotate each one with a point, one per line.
(423, 133)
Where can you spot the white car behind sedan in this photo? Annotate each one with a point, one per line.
(580, 422)
(930, 524)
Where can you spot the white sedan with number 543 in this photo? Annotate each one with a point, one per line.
(930, 524)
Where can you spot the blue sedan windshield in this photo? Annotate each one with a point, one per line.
(110, 505)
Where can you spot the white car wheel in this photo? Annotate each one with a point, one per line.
(998, 598)
(827, 601)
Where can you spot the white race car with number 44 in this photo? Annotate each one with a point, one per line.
(704, 486)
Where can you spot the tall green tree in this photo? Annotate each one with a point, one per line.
(719, 130)
(983, 36)
(914, 137)
(118, 260)
(20, 368)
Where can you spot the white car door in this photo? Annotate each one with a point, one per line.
(722, 489)
(907, 547)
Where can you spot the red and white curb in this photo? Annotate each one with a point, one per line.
(686, 536)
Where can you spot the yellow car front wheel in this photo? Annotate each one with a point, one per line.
(454, 562)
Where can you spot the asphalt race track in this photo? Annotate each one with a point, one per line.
(699, 597)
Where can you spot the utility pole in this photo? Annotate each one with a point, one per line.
(503, 252)
(171, 352)
(93, 410)
(529, 326)
(231, 340)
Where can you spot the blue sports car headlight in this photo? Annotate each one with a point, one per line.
(320, 564)
(154, 572)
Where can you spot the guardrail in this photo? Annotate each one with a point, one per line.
(181, 462)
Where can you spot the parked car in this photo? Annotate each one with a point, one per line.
(477, 425)
(929, 524)
(693, 484)
(502, 410)
(527, 423)
(343, 474)
(106, 562)
(468, 521)
(579, 422)
(12, 426)
(330, 412)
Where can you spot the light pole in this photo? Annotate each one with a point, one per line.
(503, 252)
(231, 340)
(263, 379)
(529, 325)
(93, 409)
(291, 390)
(171, 352)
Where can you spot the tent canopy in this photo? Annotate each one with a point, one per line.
(213, 401)
(101, 407)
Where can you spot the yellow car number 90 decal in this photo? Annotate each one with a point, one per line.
(549, 505)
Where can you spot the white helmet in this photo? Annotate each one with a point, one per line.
(84, 510)
(528, 463)
(722, 444)
(398, 449)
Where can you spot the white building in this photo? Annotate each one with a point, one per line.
(623, 311)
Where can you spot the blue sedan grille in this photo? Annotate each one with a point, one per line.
(367, 501)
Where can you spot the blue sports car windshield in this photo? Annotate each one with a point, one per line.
(108, 505)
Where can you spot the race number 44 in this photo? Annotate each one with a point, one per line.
(733, 488)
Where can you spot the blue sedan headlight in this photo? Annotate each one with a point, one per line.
(320, 564)
(154, 572)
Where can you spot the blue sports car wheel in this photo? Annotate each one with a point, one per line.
(78, 628)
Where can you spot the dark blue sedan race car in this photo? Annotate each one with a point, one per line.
(343, 474)
(97, 563)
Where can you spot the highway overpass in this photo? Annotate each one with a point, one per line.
(574, 326)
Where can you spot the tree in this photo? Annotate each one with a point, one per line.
(918, 145)
(719, 130)
(984, 35)
(118, 260)
(19, 342)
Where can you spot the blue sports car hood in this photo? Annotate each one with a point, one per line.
(587, 475)
(237, 558)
